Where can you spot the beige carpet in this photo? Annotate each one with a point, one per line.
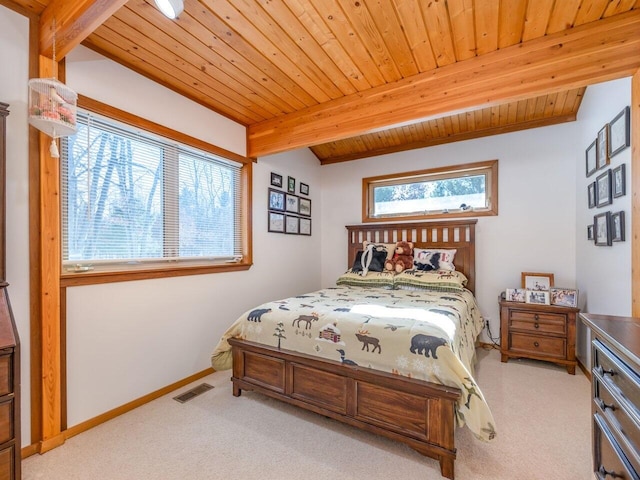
(542, 416)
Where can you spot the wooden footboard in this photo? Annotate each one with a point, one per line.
(417, 413)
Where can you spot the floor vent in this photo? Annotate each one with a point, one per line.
(194, 392)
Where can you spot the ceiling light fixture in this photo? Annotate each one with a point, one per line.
(170, 8)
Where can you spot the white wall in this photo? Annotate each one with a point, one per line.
(603, 273)
(125, 340)
(535, 228)
(14, 42)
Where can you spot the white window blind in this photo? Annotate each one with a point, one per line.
(130, 196)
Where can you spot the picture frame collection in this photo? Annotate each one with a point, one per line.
(613, 138)
(538, 288)
(288, 212)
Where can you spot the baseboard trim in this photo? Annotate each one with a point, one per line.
(488, 346)
(585, 370)
(111, 414)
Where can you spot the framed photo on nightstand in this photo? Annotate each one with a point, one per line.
(538, 297)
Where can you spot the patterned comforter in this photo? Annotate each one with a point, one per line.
(425, 335)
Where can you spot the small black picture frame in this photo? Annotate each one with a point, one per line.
(619, 132)
(276, 200)
(603, 189)
(276, 180)
(591, 194)
(304, 189)
(619, 181)
(617, 226)
(602, 147)
(601, 229)
(291, 185)
(305, 226)
(590, 158)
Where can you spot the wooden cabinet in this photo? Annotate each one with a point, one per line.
(615, 385)
(541, 332)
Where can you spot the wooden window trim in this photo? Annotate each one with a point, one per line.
(492, 165)
(160, 269)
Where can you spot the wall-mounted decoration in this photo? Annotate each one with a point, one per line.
(591, 194)
(305, 207)
(304, 188)
(292, 225)
(276, 200)
(305, 226)
(619, 181)
(602, 232)
(292, 204)
(617, 227)
(276, 180)
(276, 222)
(291, 185)
(590, 157)
(589, 232)
(603, 189)
(602, 147)
(619, 132)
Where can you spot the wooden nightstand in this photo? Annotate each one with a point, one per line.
(541, 332)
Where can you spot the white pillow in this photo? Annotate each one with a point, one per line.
(423, 256)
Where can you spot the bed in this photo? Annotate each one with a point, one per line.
(395, 362)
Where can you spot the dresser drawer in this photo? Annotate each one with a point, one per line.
(6, 423)
(7, 467)
(619, 420)
(6, 380)
(539, 322)
(538, 345)
(608, 461)
(618, 377)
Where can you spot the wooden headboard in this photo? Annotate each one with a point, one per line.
(458, 234)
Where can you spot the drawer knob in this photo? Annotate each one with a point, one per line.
(536, 344)
(536, 325)
(604, 406)
(600, 369)
(536, 316)
(605, 473)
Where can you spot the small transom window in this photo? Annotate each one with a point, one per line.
(458, 191)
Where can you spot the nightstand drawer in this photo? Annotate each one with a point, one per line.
(7, 466)
(533, 344)
(538, 322)
(6, 383)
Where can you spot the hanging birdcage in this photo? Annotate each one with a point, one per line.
(52, 107)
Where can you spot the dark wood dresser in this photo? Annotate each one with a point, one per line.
(10, 455)
(541, 332)
(615, 385)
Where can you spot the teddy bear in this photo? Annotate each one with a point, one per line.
(402, 258)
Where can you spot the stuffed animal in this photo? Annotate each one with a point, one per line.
(402, 258)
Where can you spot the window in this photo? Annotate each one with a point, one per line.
(459, 191)
(133, 200)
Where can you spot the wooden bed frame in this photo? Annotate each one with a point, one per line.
(417, 413)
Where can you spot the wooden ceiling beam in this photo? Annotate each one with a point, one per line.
(592, 53)
(74, 21)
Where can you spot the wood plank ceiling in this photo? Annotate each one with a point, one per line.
(259, 60)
